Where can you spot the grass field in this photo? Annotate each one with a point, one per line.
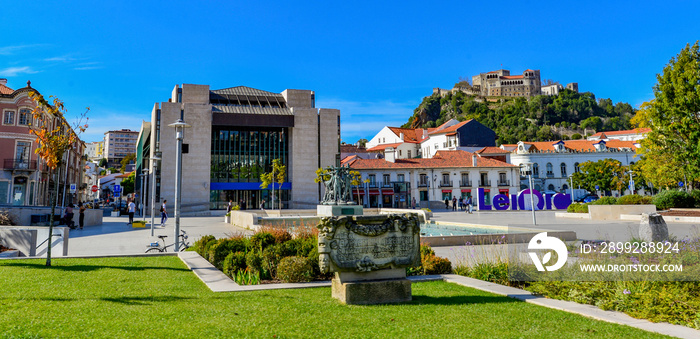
(159, 297)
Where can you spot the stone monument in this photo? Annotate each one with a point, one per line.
(653, 227)
(338, 197)
(369, 256)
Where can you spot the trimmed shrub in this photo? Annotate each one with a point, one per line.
(234, 262)
(578, 208)
(221, 249)
(605, 201)
(426, 250)
(696, 196)
(261, 240)
(202, 245)
(295, 269)
(433, 264)
(634, 199)
(670, 199)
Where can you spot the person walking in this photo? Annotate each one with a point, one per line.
(163, 214)
(69, 216)
(469, 204)
(413, 203)
(132, 209)
(460, 202)
(81, 219)
(454, 203)
(230, 206)
(447, 204)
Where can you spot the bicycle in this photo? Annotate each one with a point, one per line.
(156, 246)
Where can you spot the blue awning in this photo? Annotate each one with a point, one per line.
(249, 186)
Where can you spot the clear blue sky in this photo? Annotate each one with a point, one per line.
(374, 61)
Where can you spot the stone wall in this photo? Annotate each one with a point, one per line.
(613, 212)
(304, 160)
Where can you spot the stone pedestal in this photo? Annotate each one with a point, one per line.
(653, 227)
(377, 287)
(338, 210)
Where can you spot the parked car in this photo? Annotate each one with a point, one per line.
(588, 198)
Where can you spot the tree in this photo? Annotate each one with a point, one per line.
(103, 163)
(128, 184)
(54, 137)
(356, 180)
(127, 160)
(607, 174)
(674, 116)
(362, 142)
(277, 175)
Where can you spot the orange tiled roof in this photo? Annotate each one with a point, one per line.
(352, 149)
(348, 159)
(492, 150)
(383, 147)
(629, 131)
(442, 159)
(580, 145)
(452, 128)
(409, 134)
(6, 90)
(125, 175)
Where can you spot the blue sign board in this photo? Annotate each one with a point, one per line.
(117, 188)
(680, 183)
(597, 187)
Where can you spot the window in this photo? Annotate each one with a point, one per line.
(387, 179)
(436, 146)
(423, 180)
(535, 170)
(399, 153)
(502, 178)
(25, 117)
(465, 179)
(400, 177)
(550, 170)
(576, 168)
(409, 154)
(484, 179)
(22, 150)
(372, 179)
(9, 118)
(446, 179)
(563, 169)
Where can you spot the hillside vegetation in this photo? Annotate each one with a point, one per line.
(569, 115)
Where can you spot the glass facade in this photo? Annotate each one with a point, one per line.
(239, 155)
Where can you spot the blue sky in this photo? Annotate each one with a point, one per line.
(374, 61)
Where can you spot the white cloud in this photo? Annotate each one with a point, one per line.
(61, 59)
(87, 68)
(9, 50)
(364, 119)
(14, 71)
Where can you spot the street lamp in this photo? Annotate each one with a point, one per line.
(154, 160)
(571, 177)
(528, 171)
(631, 181)
(144, 181)
(179, 127)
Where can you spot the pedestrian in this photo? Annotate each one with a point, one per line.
(447, 203)
(262, 205)
(230, 206)
(413, 203)
(460, 202)
(469, 204)
(163, 214)
(69, 216)
(81, 220)
(454, 203)
(132, 209)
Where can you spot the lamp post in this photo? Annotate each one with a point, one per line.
(144, 181)
(571, 177)
(179, 127)
(528, 171)
(631, 181)
(154, 160)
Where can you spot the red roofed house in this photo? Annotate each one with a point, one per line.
(397, 182)
(554, 161)
(407, 143)
(24, 179)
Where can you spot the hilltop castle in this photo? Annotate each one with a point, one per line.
(501, 83)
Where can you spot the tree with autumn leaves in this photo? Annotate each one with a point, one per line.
(671, 150)
(54, 137)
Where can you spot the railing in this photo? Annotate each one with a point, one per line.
(20, 164)
(486, 183)
(504, 183)
(446, 183)
(465, 183)
(373, 185)
(550, 174)
(387, 185)
(422, 183)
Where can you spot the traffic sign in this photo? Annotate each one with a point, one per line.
(680, 183)
(117, 188)
(597, 187)
(94, 188)
(73, 188)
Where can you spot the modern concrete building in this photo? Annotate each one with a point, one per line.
(236, 133)
(118, 144)
(24, 179)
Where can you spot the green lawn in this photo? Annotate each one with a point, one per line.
(159, 297)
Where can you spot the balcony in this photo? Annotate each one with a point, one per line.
(423, 183)
(485, 183)
(387, 185)
(373, 185)
(550, 174)
(20, 164)
(444, 183)
(465, 183)
(504, 183)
